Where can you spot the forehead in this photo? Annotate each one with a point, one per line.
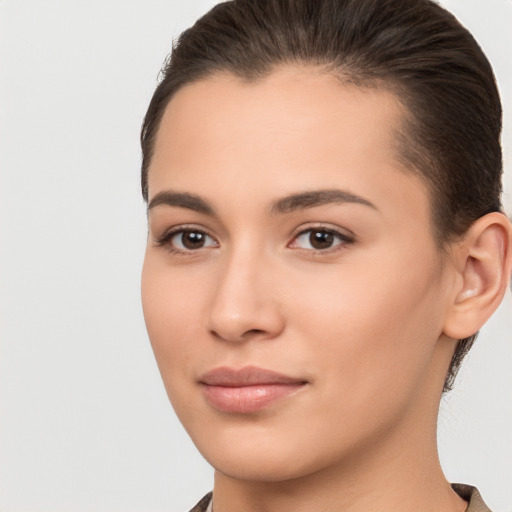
(296, 128)
(278, 110)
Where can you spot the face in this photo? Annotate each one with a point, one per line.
(292, 289)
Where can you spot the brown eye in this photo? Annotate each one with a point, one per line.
(320, 239)
(190, 240)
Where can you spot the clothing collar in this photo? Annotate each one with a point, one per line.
(466, 492)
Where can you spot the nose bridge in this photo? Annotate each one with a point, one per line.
(244, 304)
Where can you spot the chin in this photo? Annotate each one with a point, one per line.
(263, 467)
(256, 453)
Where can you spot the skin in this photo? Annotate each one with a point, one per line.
(363, 323)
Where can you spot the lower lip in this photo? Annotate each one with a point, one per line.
(247, 399)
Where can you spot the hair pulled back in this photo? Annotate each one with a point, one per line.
(413, 48)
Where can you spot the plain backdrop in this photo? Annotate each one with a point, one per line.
(85, 424)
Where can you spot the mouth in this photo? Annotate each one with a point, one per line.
(247, 389)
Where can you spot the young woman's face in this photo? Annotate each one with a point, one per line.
(292, 288)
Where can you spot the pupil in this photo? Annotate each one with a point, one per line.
(321, 239)
(192, 239)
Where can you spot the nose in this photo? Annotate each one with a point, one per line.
(245, 304)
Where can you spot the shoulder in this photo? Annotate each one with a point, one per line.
(202, 504)
(472, 496)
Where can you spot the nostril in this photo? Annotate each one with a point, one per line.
(251, 332)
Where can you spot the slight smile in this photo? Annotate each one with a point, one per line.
(248, 389)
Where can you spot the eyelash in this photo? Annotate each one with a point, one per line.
(165, 239)
(343, 239)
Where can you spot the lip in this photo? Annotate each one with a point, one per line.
(248, 389)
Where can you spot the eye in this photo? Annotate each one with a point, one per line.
(186, 240)
(320, 239)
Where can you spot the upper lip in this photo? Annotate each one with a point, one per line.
(246, 376)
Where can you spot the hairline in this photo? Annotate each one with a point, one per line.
(406, 120)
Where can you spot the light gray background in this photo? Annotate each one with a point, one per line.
(85, 424)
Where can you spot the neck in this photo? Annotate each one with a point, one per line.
(398, 471)
(398, 481)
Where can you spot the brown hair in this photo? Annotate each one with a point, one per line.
(413, 48)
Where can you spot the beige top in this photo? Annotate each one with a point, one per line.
(466, 492)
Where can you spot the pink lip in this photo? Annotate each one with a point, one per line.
(248, 389)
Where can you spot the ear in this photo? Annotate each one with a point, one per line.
(483, 262)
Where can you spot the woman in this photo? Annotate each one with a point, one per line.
(326, 238)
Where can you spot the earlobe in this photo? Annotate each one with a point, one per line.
(484, 261)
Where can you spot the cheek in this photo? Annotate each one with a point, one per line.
(172, 312)
(374, 322)
(172, 304)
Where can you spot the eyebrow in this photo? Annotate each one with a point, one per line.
(288, 204)
(315, 198)
(181, 200)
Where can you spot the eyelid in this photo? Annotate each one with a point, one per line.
(166, 237)
(345, 235)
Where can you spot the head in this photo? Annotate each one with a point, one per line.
(387, 99)
(450, 136)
